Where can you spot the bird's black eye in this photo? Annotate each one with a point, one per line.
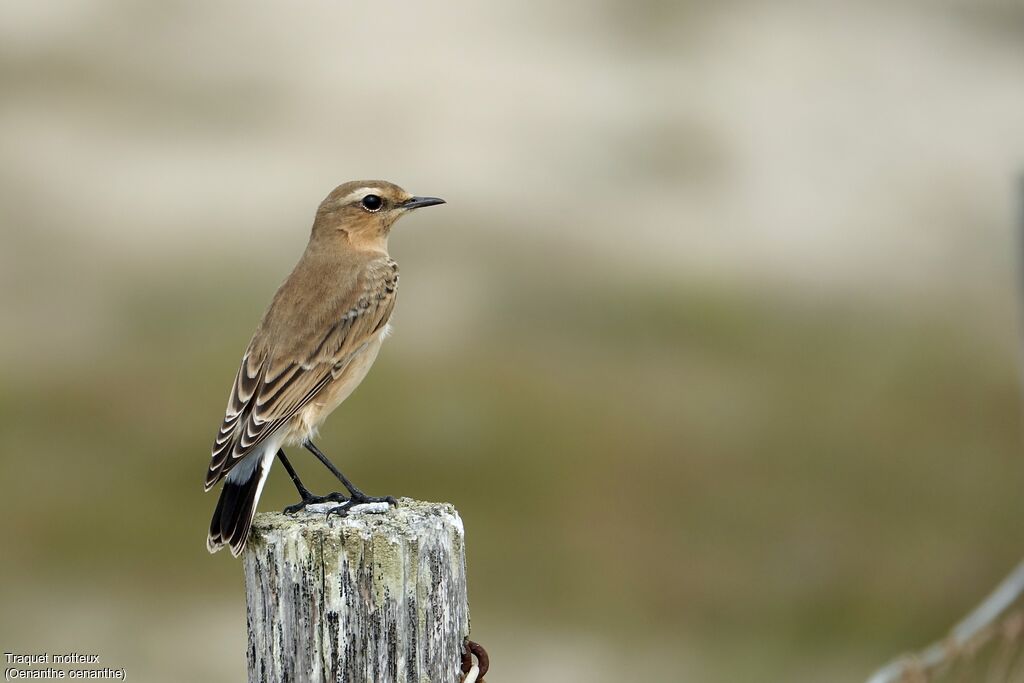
(372, 202)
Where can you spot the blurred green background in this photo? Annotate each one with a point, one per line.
(714, 346)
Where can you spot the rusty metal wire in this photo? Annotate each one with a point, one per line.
(474, 673)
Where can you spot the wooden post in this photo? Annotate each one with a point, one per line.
(358, 599)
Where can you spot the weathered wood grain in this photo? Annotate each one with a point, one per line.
(372, 597)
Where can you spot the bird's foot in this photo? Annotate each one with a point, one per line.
(310, 499)
(359, 499)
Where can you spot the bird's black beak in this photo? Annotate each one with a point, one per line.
(417, 202)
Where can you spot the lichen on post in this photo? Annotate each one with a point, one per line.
(379, 595)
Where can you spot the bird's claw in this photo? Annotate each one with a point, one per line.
(334, 497)
(361, 499)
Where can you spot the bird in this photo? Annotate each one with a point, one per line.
(313, 346)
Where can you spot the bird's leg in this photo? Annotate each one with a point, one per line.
(308, 498)
(357, 496)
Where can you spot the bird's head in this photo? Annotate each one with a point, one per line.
(365, 210)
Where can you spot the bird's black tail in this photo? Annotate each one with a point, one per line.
(236, 507)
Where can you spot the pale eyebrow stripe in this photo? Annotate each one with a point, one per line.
(360, 193)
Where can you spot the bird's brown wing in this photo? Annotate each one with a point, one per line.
(275, 381)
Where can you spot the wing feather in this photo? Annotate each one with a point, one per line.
(271, 387)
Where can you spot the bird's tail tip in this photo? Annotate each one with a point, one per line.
(232, 519)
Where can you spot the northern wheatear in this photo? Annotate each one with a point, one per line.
(314, 345)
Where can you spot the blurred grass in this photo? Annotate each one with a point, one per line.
(785, 475)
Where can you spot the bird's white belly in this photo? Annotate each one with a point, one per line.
(304, 425)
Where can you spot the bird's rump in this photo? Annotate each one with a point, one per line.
(276, 380)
